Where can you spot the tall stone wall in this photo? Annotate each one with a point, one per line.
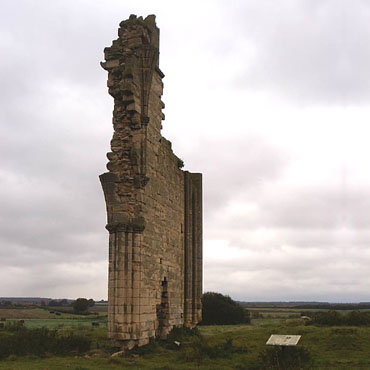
(154, 209)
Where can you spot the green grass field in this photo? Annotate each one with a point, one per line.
(331, 347)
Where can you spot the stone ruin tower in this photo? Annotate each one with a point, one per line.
(154, 209)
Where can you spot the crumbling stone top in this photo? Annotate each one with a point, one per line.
(134, 33)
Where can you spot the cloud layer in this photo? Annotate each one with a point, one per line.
(267, 99)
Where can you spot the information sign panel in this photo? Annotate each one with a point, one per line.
(283, 340)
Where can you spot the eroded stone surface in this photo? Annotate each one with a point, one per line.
(154, 209)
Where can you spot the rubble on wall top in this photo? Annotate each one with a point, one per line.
(149, 21)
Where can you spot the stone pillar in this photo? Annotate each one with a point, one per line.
(131, 62)
(192, 248)
(198, 247)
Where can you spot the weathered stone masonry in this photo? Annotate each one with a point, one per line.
(154, 209)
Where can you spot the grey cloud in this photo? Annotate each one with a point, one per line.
(52, 148)
(289, 274)
(303, 242)
(309, 52)
(55, 280)
(45, 207)
(320, 207)
(234, 166)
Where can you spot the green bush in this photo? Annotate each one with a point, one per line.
(199, 349)
(80, 305)
(257, 315)
(334, 318)
(328, 318)
(13, 326)
(192, 347)
(39, 342)
(285, 358)
(222, 310)
(182, 333)
(357, 318)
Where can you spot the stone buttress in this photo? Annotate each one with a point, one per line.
(154, 209)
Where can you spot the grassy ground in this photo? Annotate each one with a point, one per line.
(331, 348)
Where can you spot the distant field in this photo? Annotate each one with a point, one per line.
(335, 348)
(268, 312)
(49, 313)
(61, 323)
(37, 318)
(24, 313)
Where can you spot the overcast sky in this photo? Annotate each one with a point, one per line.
(268, 99)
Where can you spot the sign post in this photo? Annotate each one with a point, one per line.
(282, 341)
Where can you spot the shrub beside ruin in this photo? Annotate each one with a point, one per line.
(219, 309)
